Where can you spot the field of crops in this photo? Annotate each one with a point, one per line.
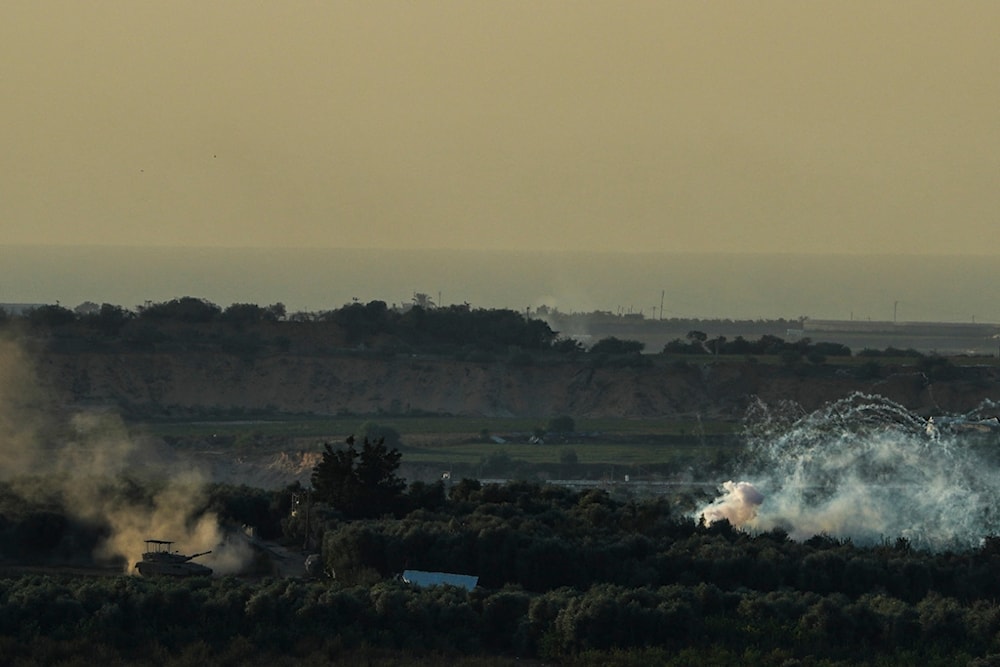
(590, 453)
(476, 441)
(422, 426)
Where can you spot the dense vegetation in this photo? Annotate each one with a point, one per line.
(697, 342)
(568, 577)
(249, 330)
(359, 483)
(565, 577)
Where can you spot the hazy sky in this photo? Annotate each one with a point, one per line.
(841, 126)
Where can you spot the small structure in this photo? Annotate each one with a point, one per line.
(159, 560)
(314, 565)
(425, 579)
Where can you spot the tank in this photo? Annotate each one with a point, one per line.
(159, 560)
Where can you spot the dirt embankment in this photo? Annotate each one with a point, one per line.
(200, 383)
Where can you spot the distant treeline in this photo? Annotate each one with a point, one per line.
(698, 343)
(248, 329)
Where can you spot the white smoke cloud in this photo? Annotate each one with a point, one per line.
(863, 468)
(738, 505)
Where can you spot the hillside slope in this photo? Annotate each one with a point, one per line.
(192, 383)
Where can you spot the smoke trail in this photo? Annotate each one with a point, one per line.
(867, 469)
(89, 464)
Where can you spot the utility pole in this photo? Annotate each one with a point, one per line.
(663, 293)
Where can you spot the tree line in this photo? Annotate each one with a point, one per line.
(248, 328)
(477, 334)
(567, 577)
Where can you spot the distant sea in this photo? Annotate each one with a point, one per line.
(727, 286)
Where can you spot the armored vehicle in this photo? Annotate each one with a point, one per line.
(159, 560)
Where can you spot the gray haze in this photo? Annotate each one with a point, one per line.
(853, 126)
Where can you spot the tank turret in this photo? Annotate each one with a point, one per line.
(159, 560)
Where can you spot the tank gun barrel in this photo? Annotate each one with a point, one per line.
(203, 553)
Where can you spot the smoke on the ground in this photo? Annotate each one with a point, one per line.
(863, 468)
(88, 463)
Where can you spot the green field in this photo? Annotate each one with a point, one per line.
(309, 426)
(588, 453)
(469, 441)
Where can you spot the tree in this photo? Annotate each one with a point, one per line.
(567, 346)
(359, 483)
(187, 309)
(698, 339)
(562, 424)
(86, 308)
(374, 432)
(240, 314)
(421, 495)
(422, 300)
(275, 312)
(51, 316)
(614, 345)
(362, 322)
(717, 344)
(109, 319)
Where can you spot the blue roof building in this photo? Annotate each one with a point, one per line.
(425, 579)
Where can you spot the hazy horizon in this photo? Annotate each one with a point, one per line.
(696, 285)
(659, 125)
(583, 155)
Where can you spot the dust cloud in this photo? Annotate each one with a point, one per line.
(88, 464)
